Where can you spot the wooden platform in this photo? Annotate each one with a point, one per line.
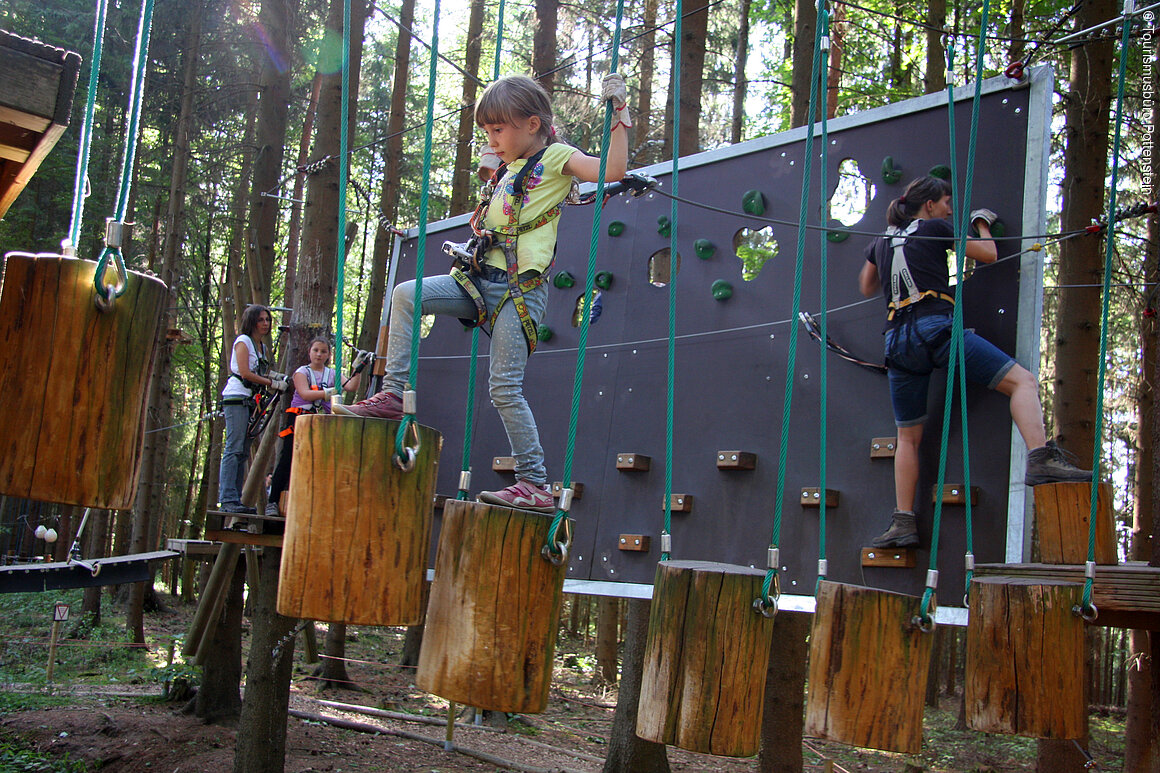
(37, 84)
(195, 549)
(254, 534)
(1126, 595)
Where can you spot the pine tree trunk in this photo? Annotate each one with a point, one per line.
(804, 26)
(646, 65)
(837, 47)
(627, 752)
(332, 670)
(607, 616)
(740, 82)
(935, 78)
(694, 32)
(785, 680)
(544, 43)
(463, 177)
(218, 699)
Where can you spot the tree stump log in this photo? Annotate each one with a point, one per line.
(1063, 519)
(494, 609)
(1024, 670)
(358, 528)
(75, 383)
(868, 669)
(705, 660)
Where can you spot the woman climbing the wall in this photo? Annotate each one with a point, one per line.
(909, 266)
(504, 282)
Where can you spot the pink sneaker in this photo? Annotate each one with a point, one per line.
(384, 405)
(522, 495)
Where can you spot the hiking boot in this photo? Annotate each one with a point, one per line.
(1051, 464)
(272, 509)
(522, 495)
(384, 405)
(903, 533)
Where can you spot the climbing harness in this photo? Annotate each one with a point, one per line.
(900, 275)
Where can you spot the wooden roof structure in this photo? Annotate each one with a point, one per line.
(37, 84)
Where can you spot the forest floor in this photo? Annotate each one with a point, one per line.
(106, 711)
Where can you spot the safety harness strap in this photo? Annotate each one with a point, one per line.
(900, 276)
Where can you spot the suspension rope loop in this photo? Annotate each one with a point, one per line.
(552, 549)
(767, 584)
(424, 202)
(86, 140)
(955, 369)
(107, 292)
(823, 564)
(670, 367)
(1089, 609)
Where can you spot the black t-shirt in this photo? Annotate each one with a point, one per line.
(927, 259)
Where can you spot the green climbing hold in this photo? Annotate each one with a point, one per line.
(704, 248)
(941, 171)
(563, 280)
(544, 333)
(998, 230)
(890, 173)
(722, 290)
(664, 225)
(753, 202)
(837, 235)
(615, 228)
(603, 280)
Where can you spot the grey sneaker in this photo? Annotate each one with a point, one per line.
(384, 405)
(903, 533)
(272, 509)
(1051, 464)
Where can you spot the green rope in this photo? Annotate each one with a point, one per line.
(671, 370)
(954, 369)
(552, 548)
(86, 140)
(136, 96)
(1089, 580)
(416, 318)
(473, 363)
(824, 304)
(791, 361)
(343, 173)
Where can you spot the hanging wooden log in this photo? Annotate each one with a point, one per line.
(358, 528)
(705, 659)
(1063, 519)
(75, 381)
(868, 668)
(1024, 671)
(494, 609)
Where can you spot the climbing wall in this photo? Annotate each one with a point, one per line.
(732, 355)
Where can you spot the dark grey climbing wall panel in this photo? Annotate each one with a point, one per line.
(731, 359)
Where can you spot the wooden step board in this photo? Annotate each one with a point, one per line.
(1126, 595)
(255, 523)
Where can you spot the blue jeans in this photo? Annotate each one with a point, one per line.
(508, 357)
(235, 452)
(919, 345)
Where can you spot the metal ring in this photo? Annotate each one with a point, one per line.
(408, 464)
(96, 568)
(556, 559)
(766, 607)
(1081, 611)
(105, 303)
(926, 626)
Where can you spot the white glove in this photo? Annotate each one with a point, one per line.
(614, 90)
(363, 356)
(329, 391)
(986, 215)
(280, 383)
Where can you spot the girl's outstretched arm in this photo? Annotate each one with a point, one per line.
(587, 167)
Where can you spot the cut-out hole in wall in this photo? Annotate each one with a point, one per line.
(597, 308)
(426, 325)
(660, 267)
(853, 195)
(754, 248)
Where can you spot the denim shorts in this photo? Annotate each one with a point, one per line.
(917, 346)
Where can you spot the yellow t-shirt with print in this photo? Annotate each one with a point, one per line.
(545, 186)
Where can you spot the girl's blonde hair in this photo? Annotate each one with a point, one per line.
(515, 98)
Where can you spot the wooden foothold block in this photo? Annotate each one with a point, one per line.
(812, 497)
(955, 494)
(736, 460)
(1062, 523)
(630, 461)
(705, 644)
(494, 610)
(503, 464)
(577, 490)
(680, 503)
(1025, 654)
(868, 668)
(903, 558)
(637, 542)
(883, 447)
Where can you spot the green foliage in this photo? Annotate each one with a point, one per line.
(15, 758)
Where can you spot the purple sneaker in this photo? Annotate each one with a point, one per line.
(384, 405)
(522, 495)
